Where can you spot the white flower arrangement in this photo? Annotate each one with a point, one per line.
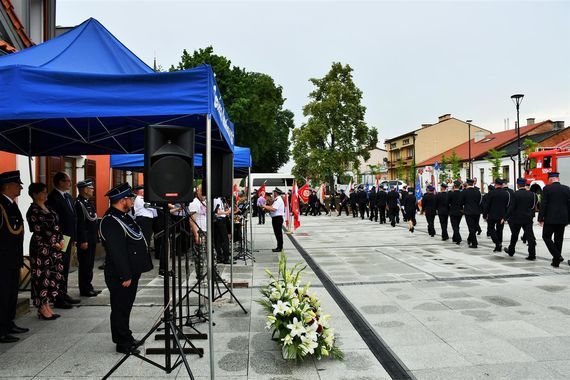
(295, 316)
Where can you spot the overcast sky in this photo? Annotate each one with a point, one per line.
(413, 61)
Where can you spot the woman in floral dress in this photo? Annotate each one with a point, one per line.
(45, 251)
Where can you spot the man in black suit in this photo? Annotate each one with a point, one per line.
(520, 215)
(429, 208)
(553, 216)
(471, 202)
(455, 211)
(495, 211)
(343, 203)
(12, 254)
(442, 206)
(126, 258)
(393, 202)
(362, 201)
(372, 204)
(62, 203)
(381, 204)
(86, 237)
(403, 194)
(353, 198)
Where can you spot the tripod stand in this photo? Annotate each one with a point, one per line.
(243, 251)
(172, 332)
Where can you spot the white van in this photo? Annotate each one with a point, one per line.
(272, 180)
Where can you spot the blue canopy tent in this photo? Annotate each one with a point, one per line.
(135, 162)
(84, 92)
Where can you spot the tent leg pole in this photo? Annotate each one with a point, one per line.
(249, 190)
(233, 200)
(209, 240)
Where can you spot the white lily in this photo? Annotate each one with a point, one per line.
(280, 307)
(296, 327)
(308, 345)
(287, 340)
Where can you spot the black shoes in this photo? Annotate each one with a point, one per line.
(8, 339)
(60, 304)
(52, 318)
(511, 252)
(90, 293)
(71, 301)
(276, 249)
(128, 350)
(530, 258)
(556, 262)
(498, 248)
(18, 330)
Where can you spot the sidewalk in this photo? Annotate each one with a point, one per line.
(78, 345)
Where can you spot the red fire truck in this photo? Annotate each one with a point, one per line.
(546, 160)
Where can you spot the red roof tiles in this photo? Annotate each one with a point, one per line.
(482, 147)
(18, 27)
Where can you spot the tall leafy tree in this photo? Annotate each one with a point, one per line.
(335, 137)
(254, 104)
(455, 165)
(495, 158)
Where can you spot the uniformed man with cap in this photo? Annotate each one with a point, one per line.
(353, 198)
(455, 210)
(553, 216)
(276, 211)
(343, 203)
(87, 237)
(520, 215)
(495, 212)
(362, 201)
(126, 258)
(11, 254)
(471, 199)
(381, 204)
(442, 207)
(393, 204)
(429, 208)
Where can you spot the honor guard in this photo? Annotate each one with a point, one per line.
(393, 204)
(126, 258)
(455, 211)
(471, 202)
(495, 211)
(372, 204)
(553, 216)
(442, 206)
(429, 208)
(353, 203)
(12, 253)
(381, 204)
(520, 216)
(86, 237)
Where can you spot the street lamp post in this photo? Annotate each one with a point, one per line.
(469, 129)
(517, 99)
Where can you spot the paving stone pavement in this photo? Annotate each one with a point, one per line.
(445, 311)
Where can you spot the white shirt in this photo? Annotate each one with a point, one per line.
(218, 202)
(278, 206)
(140, 210)
(199, 209)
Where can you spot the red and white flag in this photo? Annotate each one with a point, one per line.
(295, 206)
(350, 186)
(376, 185)
(261, 191)
(322, 193)
(304, 192)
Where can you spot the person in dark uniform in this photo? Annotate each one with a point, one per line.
(490, 188)
(410, 208)
(520, 215)
(381, 204)
(353, 203)
(495, 212)
(126, 258)
(372, 204)
(429, 208)
(86, 237)
(332, 202)
(455, 211)
(12, 254)
(553, 216)
(393, 203)
(362, 201)
(62, 203)
(403, 194)
(442, 207)
(343, 203)
(471, 203)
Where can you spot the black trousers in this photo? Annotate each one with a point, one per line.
(455, 222)
(146, 226)
(393, 215)
(373, 213)
(443, 223)
(554, 246)
(260, 215)
(529, 236)
(221, 241)
(157, 227)
(382, 212)
(495, 228)
(431, 228)
(277, 223)
(472, 225)
(343, 206)
(122, 300)
(66, 262)
(363, 210)
(86, 259)
(9, 281)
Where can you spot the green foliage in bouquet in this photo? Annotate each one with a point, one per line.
(295, 316)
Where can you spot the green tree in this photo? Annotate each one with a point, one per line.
(335, 136)
(254, 104)
(411, 173)
(494, 158)
(455, 165)
(529, 146)
(443, 169)
(400, 168)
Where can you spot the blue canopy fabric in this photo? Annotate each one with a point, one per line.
(85, 93)
(135, 162)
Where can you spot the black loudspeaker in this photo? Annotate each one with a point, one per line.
(222, 174)
(169, 164)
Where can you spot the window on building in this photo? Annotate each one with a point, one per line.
(505, 175)
(89, 172)
(46, 168)
(119, 176)
(410, 152)
(405, 141)
(393, 145)
(397, 154)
